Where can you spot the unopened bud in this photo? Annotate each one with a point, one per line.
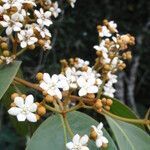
(41, 110)
(49, 98)
(14, 95)
(39, 76)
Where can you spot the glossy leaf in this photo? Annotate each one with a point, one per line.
(50, 134)
(128, 136)
(7, 74)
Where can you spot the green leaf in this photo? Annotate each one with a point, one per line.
(50, 134)
(122, 110)
(7, 74)
(128, 136)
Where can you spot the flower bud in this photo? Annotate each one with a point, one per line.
(49, 98)
(41, 110)
(37, 117)
(14, 95)
(23, 96)
(109, 102)
(4, 45)
(93, 134)
(31, 47)
(107, 108)
(12, 105)
(91, 95)
(6, 53)
(39, 76)
(41, 42)
(98, 104)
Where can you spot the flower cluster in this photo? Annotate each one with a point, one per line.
(111, 52)
(24, 108)
(76, 75)
(27, 23)
(82, 142)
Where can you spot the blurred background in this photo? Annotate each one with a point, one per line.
(74, 35)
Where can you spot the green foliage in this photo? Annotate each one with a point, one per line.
(7, 74)
(50, 134)
(128, 136)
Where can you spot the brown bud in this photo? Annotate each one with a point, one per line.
(12, 105)
(105, 22)
(14, 95)
(6, 53)
(107, 108)
(107, 67)
(39, 76)
(105, 145)
(99, 53)
(128, 55)
(109, 102)
(85, 68)
(104, 101)
(91, 95)
(37, 103)
(37, 117)
(99, 110)
(23, 96)
(4, 45)
(49, 98)
(44, 93)
(41, 110)
(41, 42)
(31, 47)
(93, 134)
(98, 104)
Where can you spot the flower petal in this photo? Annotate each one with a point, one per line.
(46, 78)
(14, 111)
(29, 100)
(84, 139)
(21, 117)
(31, 117)
(76, 139)
(19, 101)
(82, 92)
(69, 145)
(33, 108)
(99, 143)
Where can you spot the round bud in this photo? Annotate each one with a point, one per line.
(49, 98)
(4, 45)
(37, 117)
(105, 145)
(31, 47)
(37, 103)
(39, 76)
(91, 95)
(23, 96)
(107, 108)
(93, 135)
(41, 42)
(44, 93)
(12, 105)
(99, 110)
(107, 67)
(41, 110)
(109, 102)
(99, 53)
(98, 104)
(104, 101)
(6, 53)
(14, 95)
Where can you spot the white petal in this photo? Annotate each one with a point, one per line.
(99, 143)
(82, 92)
(58, 93)
(76, 139)
(47, 14)
(9, 30)
(69, 145)
(92, 89)
(4, 24)
(14, 111)
(19, 101)
(21, 117)
(23, 44)
(104, 140)
(81, 82)
(29, 100)
(84, 140)
(84, 148)
(54, 78)
(31, 117)
(44, 86)
(33, 108)
(46, 78)
(100, 126)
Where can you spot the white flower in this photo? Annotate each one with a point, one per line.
(109, 91)
(47, 45)
(78, 143)
(86, 86)
(72, 76)
(26, 38)
(12, 3)
(81, 63)
(43, 17)
(42, 30)
(72, 3)
(55, 10)
(113, 26)
(11, 24)
(101, 47)
(24, 109)
(112, 77)
(51, 85)
(105, 32)
(100, 140)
